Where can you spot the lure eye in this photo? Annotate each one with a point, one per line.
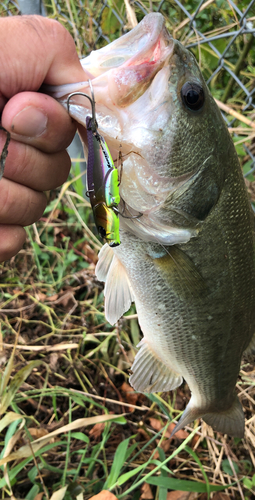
(102, 231)
(192, 95)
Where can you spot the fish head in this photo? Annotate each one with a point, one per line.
(155, 112)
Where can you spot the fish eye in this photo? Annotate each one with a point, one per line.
(192, 95)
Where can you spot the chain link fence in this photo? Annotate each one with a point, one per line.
(221, 34)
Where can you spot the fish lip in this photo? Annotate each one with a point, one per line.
(147, 49)
(151, 30)
(149, 41)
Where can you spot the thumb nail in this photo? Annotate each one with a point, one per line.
(30, 122)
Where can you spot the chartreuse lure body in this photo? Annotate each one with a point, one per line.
(102, 179)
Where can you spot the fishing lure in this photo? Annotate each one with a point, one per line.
(102, 179)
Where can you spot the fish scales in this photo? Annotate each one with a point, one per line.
(188, 262)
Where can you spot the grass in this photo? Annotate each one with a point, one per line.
(70, 425)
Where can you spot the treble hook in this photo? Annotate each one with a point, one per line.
(94, 124)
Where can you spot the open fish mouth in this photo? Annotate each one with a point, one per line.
(145, 43)
(133, 104)
(132, 61)
(122, 71)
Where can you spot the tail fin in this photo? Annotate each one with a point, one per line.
(229, 421)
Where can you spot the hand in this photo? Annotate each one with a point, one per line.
(34, 50)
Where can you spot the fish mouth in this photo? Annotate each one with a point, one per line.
(133, 104)
(131, 62)
(122, 71)
(137, 46)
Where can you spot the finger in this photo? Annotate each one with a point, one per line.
(33, 168)
(51, 54)
(12, 239)
(38, 120)
(19, 204)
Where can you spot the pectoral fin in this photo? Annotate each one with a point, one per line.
(105, 258)
(180, 271)
(118, 292)
(150, 374)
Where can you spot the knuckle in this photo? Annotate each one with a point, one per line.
(5, 199)
(11, 241)
(33, 209)
(59, 33)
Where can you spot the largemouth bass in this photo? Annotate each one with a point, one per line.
(188, 262)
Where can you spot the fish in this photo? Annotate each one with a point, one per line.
(187, 252)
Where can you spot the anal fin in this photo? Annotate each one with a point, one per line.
(150, 374)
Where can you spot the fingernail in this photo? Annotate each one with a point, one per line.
(30, 122)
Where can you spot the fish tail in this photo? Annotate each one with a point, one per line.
(230, 421)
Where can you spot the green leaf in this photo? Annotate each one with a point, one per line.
(162, 494)
(130, 450)
(119, 420)
(80, 436)
(16, 382)
(161, 453)
(162, 491)
(182, 485)
(156, 400)
(125, 477)
(32, 474)
(15, 471)
(226, 467)
(248, 483)
(33, 492)
(135, 331)
(193, 454)
(162, 467)
(118, 461)
(77, 400)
